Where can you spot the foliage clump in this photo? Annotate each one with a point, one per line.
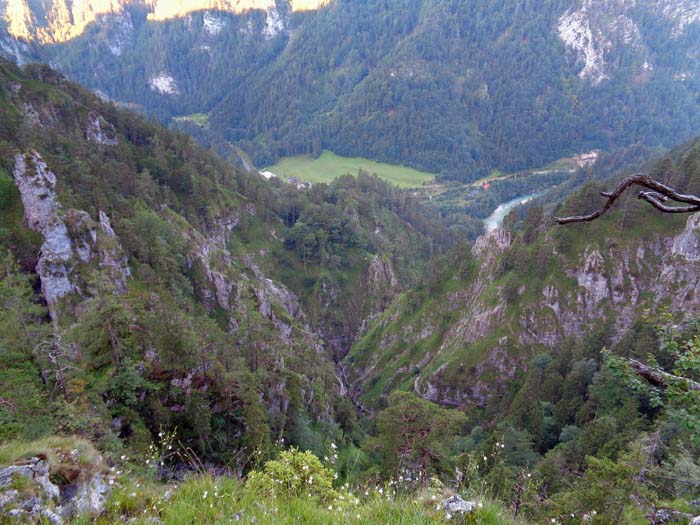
(294, 474)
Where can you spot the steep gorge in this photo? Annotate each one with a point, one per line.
(467, 336)
(202, 296)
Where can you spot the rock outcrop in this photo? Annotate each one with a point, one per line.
(466, 346)
(100, 131)
(44, 501)
(456, 504)
(37, 186)
(70, 237)
(60, 20)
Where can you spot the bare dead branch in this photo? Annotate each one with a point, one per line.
(659, 378)
(659, 194)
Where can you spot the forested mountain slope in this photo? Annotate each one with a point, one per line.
(150, 284)
(448, 86)
(164, 314)
(467, 336)
(532, 334)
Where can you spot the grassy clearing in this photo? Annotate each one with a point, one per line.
(199, 119)
(330, 166)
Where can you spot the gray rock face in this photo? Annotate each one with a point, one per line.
(224, 284)
(687, 244)
(88, 497)
(37, 186)
(111, 255)
(36, 470)
(54, 265)
(608, 282)
(212, 256)
(380, 274)
(18, 50)
(37, 190)
(100, 131)
(382, 288)
(70, 237)
(667, 269)
(268, 290)
(455, 504)
(50, 502)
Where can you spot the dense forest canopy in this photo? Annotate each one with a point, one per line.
(452, 87)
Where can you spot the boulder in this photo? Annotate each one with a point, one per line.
(37, 470)
(455, 504)
(46, 501)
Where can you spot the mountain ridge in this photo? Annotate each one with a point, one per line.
(63, 21)
(449, 87)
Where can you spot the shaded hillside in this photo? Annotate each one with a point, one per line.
(148, 284)
(466, 336)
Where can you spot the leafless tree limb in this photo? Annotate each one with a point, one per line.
(657, 195)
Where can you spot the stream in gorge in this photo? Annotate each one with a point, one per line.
(494, 220)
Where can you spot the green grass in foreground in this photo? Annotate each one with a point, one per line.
(330, 166)
(295, 489)
(204, 500)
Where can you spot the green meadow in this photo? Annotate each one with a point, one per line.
(329, 166)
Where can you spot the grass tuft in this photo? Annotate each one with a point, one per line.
(68, 458)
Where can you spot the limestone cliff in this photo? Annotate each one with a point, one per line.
(71, 237)
(61, 20)
(464, 344)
